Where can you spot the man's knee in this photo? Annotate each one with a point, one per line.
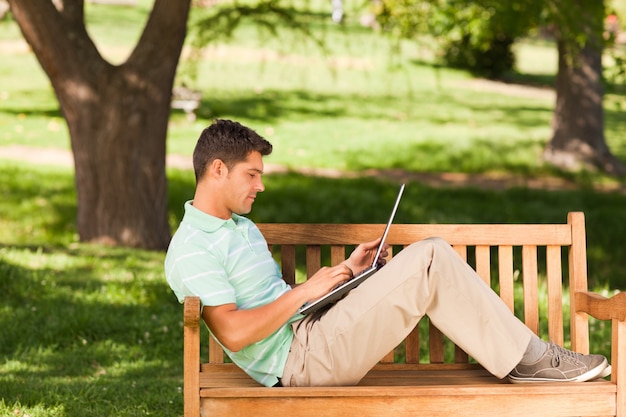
(430, 242)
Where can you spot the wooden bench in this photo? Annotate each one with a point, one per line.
(526, 264)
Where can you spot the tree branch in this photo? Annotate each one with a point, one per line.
(163, 36)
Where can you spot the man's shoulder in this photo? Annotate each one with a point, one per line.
(189, 251)
(185, 240)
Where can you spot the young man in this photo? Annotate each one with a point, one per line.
(220, 256)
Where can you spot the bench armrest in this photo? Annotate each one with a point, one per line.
(601, 307)
(191, 315)
(614, 309)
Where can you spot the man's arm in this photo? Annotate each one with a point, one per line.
(236, 328)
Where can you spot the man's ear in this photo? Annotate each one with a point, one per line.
(217, 168)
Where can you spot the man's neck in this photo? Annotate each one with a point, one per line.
(204, 203)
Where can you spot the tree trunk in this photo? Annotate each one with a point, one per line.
(117, 116)
(578, 139)
(120, 171)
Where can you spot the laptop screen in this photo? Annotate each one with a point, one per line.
(393, 213)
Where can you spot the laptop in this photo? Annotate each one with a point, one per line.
(339, 291)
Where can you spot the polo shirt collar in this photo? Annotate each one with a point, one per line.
(206, 222)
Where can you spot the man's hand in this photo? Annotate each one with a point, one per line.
(324, 280)
(363, 256)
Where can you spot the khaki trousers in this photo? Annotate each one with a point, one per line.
(426, 278)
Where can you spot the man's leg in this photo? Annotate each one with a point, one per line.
(427, 278)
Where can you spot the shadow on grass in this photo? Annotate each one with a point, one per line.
(33, 112)
(531, 80)
(273, 105)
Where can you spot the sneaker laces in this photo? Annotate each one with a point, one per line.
(559, 352)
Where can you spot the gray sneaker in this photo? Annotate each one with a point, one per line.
(560, 365)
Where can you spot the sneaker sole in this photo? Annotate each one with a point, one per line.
(600, 371)
(606, 372)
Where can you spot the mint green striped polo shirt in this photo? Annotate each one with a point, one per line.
(228, 262)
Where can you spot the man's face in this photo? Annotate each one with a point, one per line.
(243, 182)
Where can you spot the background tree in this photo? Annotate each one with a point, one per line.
(117, 115)
(578, 124)
(478, 35)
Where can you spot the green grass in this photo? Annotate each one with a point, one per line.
(95, 330)
(87, 331)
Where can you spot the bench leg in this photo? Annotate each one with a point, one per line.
(191, 379)
(618, 375)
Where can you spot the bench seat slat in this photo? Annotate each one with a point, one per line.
(598, 388)
(393, 381)
(417, 401)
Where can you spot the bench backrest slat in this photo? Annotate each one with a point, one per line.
(313, 260)
(216, 354)
(555, 294)
(400, 234)
(506, 275)
(504, 256)
(288, 263)
(529, 276)
(412, 346)
(483, 263)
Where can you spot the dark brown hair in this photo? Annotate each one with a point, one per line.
(229, 141)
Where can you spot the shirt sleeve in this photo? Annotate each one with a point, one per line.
(199, 273)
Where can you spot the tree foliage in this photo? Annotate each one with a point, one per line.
(475, 35)
(222, 20)
(270, 18)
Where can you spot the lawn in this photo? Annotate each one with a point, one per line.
(94, 330)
